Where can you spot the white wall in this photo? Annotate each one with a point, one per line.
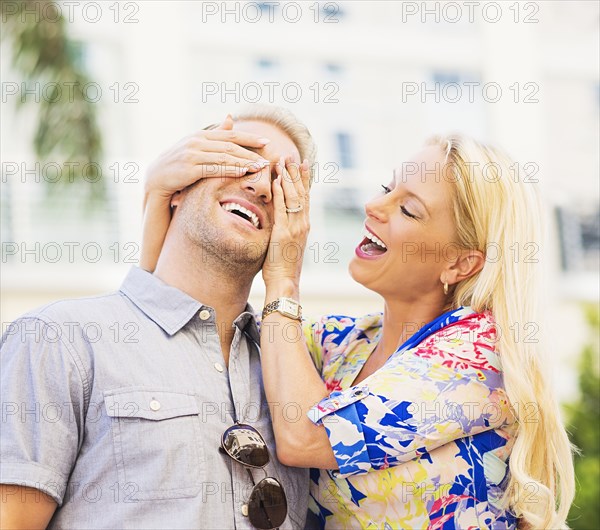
(165, 62)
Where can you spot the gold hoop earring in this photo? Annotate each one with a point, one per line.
(445, 287)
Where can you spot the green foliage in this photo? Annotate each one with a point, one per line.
(584, 428)
(67, 129)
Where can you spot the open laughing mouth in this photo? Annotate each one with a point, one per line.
(371, 246)
(246, 214)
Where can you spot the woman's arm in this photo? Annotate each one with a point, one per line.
(423, 399)
(292, 384)
(157, 216)
(205, 154)
(293, 387)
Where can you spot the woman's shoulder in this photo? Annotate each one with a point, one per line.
(466, 345)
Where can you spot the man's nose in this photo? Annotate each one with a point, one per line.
(259, 184)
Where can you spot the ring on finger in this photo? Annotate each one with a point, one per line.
(295, 210)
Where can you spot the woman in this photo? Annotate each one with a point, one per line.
(434, 413)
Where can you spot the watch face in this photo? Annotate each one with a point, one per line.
(289, 306)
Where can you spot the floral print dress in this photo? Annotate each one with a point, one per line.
(424, 441)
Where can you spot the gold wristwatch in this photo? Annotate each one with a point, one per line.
(286, 306)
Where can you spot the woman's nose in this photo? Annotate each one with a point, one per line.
(378, 209)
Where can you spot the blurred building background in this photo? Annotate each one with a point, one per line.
(371, 79)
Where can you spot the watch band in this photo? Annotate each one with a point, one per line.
(286, 306)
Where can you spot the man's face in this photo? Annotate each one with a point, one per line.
(209, 211)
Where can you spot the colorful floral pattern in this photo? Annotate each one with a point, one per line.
(424, 441)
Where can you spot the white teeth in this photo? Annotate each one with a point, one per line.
(230, 206)
(374, 238)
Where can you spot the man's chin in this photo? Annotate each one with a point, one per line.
(239, 252)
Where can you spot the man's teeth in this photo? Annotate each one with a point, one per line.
(231, 206)
(375, 239)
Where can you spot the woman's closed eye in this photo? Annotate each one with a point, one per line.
(403, 209)
(407, 213)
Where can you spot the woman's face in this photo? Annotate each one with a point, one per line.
(415, 222)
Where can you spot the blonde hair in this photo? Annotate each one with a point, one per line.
(284, 120)
(496, 209)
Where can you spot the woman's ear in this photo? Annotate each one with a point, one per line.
(467, 264)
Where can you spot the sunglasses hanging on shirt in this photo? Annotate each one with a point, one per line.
(267, 506)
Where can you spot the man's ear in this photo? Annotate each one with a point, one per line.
(469, 263)
(227, 124)
(176, 199)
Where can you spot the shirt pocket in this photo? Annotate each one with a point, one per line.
(157, 444)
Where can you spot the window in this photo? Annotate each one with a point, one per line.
(79, 52)
(333, 68)
(579, 237)
(266, 64)
(454, 98)
(445, 78)
(344, 150)
(341, 229)
(265, 7)
(332, 10)
(6, 212)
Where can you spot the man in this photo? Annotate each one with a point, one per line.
(125, 431)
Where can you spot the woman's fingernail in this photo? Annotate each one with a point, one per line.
(264, 140)
(259, 164)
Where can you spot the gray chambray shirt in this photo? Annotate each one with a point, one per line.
(115, 406)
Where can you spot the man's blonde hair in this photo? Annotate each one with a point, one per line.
(286, 121)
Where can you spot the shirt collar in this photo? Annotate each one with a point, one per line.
(364, 326)
(368, 326)
(365, 323)
(248, 322)
(169, 307)
(445, 319)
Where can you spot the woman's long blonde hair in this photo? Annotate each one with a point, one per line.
(499, 213)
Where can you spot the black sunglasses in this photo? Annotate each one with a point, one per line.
(267, 506)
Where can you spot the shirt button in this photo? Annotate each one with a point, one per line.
(204, 314)
(154, 405)
(219, 367)
(245, 510)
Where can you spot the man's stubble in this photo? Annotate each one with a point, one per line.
(211, 245)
